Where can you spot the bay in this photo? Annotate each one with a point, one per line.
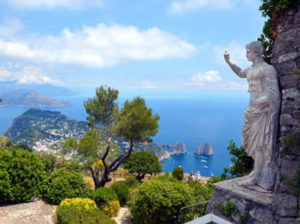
(195, 121)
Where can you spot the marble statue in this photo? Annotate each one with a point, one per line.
(259, 133)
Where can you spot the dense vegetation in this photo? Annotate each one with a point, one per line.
(269, 9)
(241, 165)
(22, 175)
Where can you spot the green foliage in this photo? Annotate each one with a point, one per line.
(5, 187)
(77, 210)
(141, 163)
(268, 8)
(62, 184)
(167, 177)
(291, 141)
(48, 159)
(201, 192)
(160, 202)
(101, 108)
(241, 163)
(229, 208)
(122, 192)
(131, 182)
(68, 145)
(135, 122)
(111, 209)
(178, 173)
(294, 182)
(22, 173)
(91, 146)
(103, 195)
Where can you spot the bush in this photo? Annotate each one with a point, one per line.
(48, 159)
(22, 176)
(122, 192)
(160, 202)
(112, 208)
(80, 210)
(131, 182)
(107, 200)
(63, 184)
(102, 195)
(178, 173)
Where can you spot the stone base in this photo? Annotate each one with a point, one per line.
(253, 204)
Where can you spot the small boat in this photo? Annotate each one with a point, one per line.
(205, 167)
(203, 161)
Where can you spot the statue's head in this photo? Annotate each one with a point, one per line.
(254, 49)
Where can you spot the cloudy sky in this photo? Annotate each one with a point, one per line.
(131, 45)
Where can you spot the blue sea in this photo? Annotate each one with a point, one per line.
(192, 121)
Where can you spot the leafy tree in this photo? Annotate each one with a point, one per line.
(134, 123)
(141, 163)
(178, 173)
(90, 149)
(241, 165)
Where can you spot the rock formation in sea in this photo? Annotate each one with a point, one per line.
(198, 150)
(207, 149)
(178, 148)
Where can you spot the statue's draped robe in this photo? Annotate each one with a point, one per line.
(261, 120)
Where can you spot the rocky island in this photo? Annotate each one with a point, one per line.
(206, 150)
(41, 128)
(178, 148)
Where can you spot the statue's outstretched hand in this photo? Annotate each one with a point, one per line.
(227, 57)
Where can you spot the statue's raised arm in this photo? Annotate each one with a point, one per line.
(236, 69)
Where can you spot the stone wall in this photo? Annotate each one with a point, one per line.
(286, 60)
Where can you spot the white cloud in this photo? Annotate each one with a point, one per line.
(212, 80)
(237, 54)
(49, 4)
(99, 46)
(26, 75)
(183, 6)
(210, 76)
(147, 85)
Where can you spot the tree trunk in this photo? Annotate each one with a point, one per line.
(95, 175)
(105, 178)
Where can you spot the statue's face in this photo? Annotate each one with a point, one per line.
(250, 55)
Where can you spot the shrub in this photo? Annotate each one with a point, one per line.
(48, 159)
(63, 184)
(80, 210)
(22, 176)
(122, 192)
(160, 202)
(107, 200)
(131, 182)
(5, 188)
(178, 173)
(112, 208)
(102, 195)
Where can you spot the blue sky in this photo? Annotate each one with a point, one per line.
(139, 46)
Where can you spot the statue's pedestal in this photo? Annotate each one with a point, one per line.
(254, 204)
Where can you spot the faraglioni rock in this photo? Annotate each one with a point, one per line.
(207, 149)
(178, 148)
(198, 150)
